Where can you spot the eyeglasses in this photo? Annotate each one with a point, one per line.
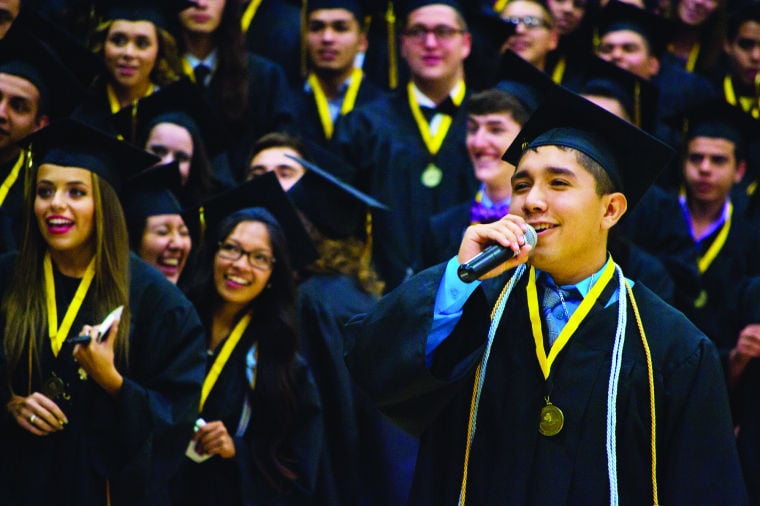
(256, 259)
(528, 21)
(441, 32)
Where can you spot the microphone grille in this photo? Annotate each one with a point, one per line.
(531, 237)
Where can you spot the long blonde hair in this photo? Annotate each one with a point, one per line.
(23, 302)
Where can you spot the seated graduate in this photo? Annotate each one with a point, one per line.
(139, 56)
(157, 230)
(178, 124)
(369, 460)
(259, 439)
(556, 369)
(103, 421)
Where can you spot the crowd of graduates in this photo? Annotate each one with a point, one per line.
(137, 140)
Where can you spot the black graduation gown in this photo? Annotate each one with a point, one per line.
(443, 234)
(510, 462)
(657, 226)
(12, 208)
(715, 310)
(382, 141)
(744, 396)
(309, 124)
(136, 441)
(270, 109)
(238, 481)
(275, 34)
(370, 461)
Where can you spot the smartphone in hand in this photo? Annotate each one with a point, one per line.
(103, 328)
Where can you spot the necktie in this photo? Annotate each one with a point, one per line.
(201, 72)
(554, 304)
(480, 213)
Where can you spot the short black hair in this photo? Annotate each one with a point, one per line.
(494, 100)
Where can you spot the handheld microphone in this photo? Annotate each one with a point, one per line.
(491, 257)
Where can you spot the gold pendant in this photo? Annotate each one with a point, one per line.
(432, 176)
(552, 420)
(53, 387)
(82, 374)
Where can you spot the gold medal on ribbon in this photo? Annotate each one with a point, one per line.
(432, 176)
(552, 420)
(53, 387)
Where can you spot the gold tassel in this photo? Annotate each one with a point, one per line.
(390, 20)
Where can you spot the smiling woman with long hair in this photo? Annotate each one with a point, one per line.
(263, 432)
(139, 57)
(91, 418)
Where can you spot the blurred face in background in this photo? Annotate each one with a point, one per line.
(172, 142)
(166, 244)
(333, 39)
(535, 34)
(273, 159)
(695, 12)
(744, 53)
(629, 50)
(488, 137)
(130, 52)
(204, 18)
(567, 14)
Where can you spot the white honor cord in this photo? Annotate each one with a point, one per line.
(487, 353)
(612, 389)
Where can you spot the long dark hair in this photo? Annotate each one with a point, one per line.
(231, 73)
(23, 302)
(273, 323)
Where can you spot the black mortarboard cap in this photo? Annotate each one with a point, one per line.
(149, 193)
(637, 95)
(354, 6)
(181, 102)
(494, 30)
(617, 15)
(718, 120)
(70, 143)
(25, 56)
(523, 81)
(407, 6)
(632, 158)
(263, 191)
(79, 60)
(158, 12)
(336, 208)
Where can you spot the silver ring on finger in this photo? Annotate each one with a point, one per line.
(32, 418)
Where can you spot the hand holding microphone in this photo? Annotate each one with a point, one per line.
(491, 257)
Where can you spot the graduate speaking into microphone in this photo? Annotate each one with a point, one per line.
(553, 379)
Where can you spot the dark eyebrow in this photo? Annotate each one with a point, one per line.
(556, 171)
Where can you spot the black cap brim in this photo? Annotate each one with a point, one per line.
(632, 157)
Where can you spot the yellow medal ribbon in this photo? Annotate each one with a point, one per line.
(187, 69)
(749, 105)
(706, 260)
(221, 359)
(58, 335)
(432, 142)
(12, 177)
(559, 70)
(691, 61)
(572, 325)
(113, 100)
(321, 99)
(249, 14)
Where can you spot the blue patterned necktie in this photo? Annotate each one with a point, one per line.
(556, 314)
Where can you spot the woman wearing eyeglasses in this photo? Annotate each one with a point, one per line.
(259, 435)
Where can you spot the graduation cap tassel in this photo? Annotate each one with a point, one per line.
(366, 257)
(637, 104)
(390, 20)
(499, 5)
(202, 222)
